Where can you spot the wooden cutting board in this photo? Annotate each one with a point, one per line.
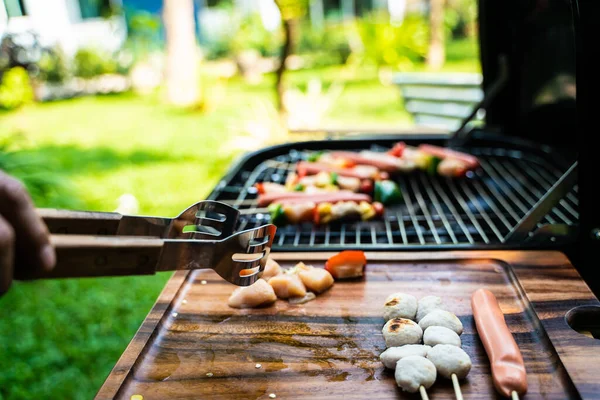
(192, 345)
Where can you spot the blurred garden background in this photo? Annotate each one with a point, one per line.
(141, 106)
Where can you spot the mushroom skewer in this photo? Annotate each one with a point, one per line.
(450, 362)
(456, 385)
(415, 374)
(423, 393)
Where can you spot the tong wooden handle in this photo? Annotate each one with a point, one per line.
(80, 222)
(79, 256)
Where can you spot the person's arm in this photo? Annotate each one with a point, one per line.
(24, 238)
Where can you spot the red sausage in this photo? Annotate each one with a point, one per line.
(296, 197)
(313, 168)
(441, 152)
(508, 369)
(384, 162)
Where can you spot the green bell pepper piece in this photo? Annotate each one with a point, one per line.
(387, 192)
(432, 165)
(277, 214)
(315, 156)
(334, 178)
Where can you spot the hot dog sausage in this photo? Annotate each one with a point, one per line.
(294, 197)
(508, 369)
(360, 171)
(442, 153)
(382, 161)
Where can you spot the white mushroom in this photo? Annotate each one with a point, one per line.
(413, 372)
(400, 305)
(442, 318)
(390, 357)
(401, 331)
(427, 304)
(450, 360)
(435, 335)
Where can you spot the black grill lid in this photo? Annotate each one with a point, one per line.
(538, 39)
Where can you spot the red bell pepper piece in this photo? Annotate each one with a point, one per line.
(260, 188)
(316, 216)
(379, 209)
(366, 186)
(347, 264)
(301, 171)
(397, 150)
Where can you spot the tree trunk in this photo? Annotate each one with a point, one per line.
(437, 51)
(183, 86)
(288, 28)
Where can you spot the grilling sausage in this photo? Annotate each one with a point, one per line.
(328, 197)
(440, 152)
(359, 171)
(508, 369)
(382, 161)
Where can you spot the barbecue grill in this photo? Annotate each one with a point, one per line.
(526, 193)
(485, 210)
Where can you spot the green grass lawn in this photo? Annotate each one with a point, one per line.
(60, 339)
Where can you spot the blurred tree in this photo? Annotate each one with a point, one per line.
(394, 46)
(291, 12)
(182, 53)
(15, 89)
(437, 55)
(143, 32)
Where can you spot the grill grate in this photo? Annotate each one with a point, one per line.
(480, 209)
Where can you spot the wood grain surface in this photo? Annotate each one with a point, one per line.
(192, 345)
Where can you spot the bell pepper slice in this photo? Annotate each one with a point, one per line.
(432, 165)
(277, 214)
(397, 150)
(366, 186)
(347, 264)
(387, 192)
(314, 156)
(334, 178)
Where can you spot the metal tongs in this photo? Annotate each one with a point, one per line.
(94, 244)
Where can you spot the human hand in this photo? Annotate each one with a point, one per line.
(24, 238)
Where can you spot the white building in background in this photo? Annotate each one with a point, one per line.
(71, 24)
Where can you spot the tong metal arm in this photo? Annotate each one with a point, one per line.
(90, 244)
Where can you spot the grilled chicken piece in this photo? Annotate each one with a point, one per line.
(315, 279)
(299, 213)
(271, 269)
(258, 294)
(287, 285)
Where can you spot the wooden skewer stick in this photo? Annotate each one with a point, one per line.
(423, 393)
(514, 395)
(456, 385)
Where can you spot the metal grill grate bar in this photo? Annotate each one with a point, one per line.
(438, 208)
(421, 203)
(411, 211)
(453, 210)
(518, 189)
